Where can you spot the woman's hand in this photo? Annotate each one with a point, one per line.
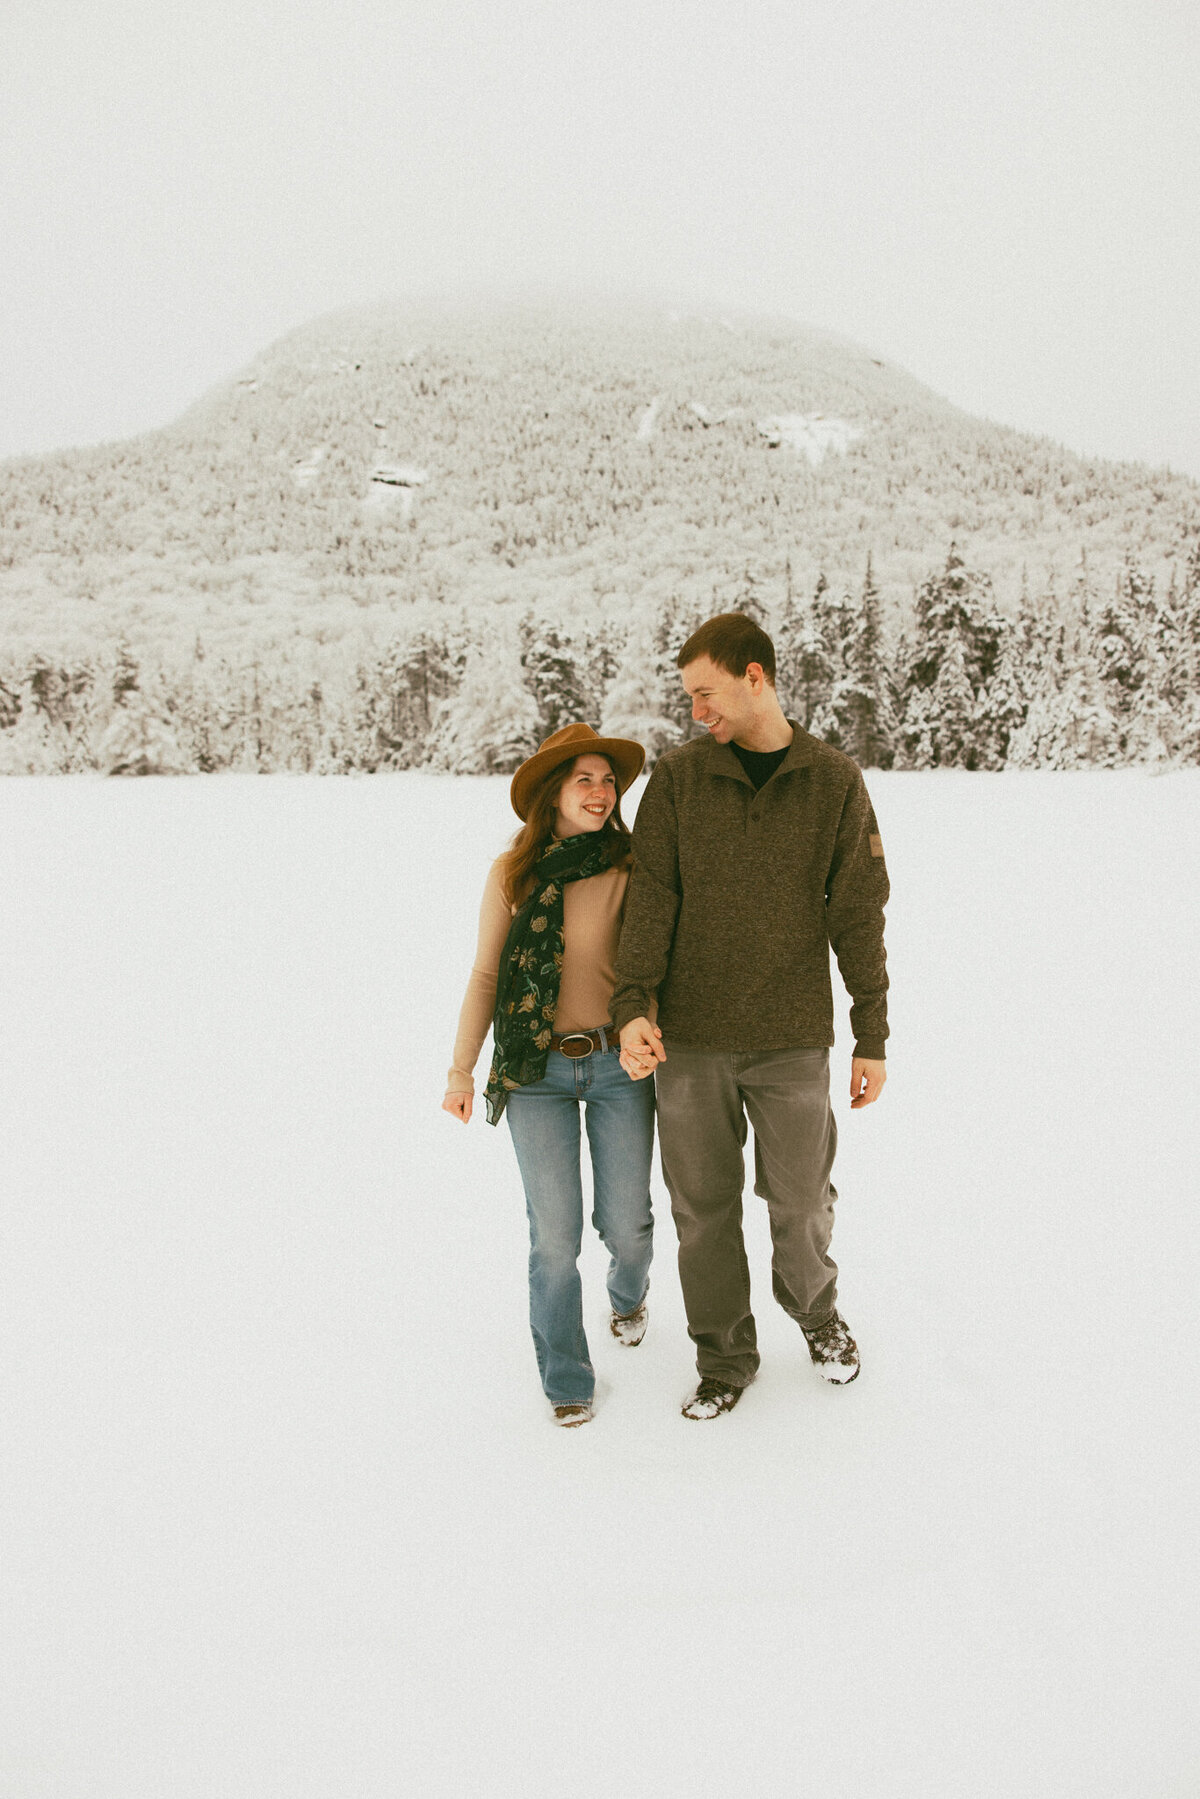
(641, 1048)
(459, 1105)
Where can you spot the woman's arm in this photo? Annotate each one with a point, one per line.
(479, 1000)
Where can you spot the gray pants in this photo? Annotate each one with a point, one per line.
(704, 1098)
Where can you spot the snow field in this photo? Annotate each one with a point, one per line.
(283, 1513)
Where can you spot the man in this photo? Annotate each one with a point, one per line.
(756, 849)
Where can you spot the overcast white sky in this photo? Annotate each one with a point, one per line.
(1004, 199)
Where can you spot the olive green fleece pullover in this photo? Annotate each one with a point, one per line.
(736, 897)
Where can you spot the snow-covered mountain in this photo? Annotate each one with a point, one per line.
(412, 537)
(563, 458)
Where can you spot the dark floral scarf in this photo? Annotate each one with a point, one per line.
(531, 968)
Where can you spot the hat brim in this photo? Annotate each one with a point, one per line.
(627, 757)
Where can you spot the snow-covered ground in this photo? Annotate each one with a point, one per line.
(283, 1514)
(811, 434)
(649, 418)
(305, 472)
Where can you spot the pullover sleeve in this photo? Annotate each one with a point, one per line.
(856, 891)
(651, 904)
(479, 1001)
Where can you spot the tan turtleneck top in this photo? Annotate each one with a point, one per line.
(592, 912)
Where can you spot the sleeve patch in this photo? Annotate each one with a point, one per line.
(876, 844)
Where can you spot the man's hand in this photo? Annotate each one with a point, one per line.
(641, 1048)
(866, 1081)
(458, 1105)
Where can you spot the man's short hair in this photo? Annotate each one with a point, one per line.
(733, 641)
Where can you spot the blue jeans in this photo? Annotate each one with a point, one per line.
(544, 1122)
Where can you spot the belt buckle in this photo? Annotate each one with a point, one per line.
(577, 1055)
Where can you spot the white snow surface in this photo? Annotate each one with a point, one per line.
(305, 472)
(649, 418)
(391, 486)
(284, 1512)
(708, 417)
(399, 474)
(811, 433)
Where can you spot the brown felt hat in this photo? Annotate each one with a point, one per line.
(626, 757)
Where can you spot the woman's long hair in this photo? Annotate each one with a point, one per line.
(520, 859)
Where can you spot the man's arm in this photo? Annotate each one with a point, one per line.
(856, 891)
(651, 904)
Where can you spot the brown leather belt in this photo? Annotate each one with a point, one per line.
(577, 1044)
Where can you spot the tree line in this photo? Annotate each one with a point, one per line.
(1086, 679)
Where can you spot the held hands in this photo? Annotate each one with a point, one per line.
(641, 1048)
(866, 1081)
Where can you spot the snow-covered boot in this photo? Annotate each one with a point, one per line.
(833, 1350)
(572, 1415)
(711, 1398)
(630, 1327)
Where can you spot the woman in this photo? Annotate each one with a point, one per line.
(543, 979)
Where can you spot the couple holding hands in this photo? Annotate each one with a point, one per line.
(696, 951)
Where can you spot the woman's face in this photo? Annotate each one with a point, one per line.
(586, 797)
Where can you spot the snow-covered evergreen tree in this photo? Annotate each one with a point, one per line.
(32, 744)
(490, 724)
(953, 706)
(140, 738)
(1155, 731)
(397, 691)
(674, 624)
(553, 676)
(865, 725)
(957, 603)
(598, 662)
(206, 718)
(751, 599)
(1003, 705)
(787, 628)
(1119, 648)
(919, 732)
(809, 659)
(1185, 673)
(1085, 733)
(637, 703)
(956, 625)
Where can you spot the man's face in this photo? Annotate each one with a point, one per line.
(721, 702)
